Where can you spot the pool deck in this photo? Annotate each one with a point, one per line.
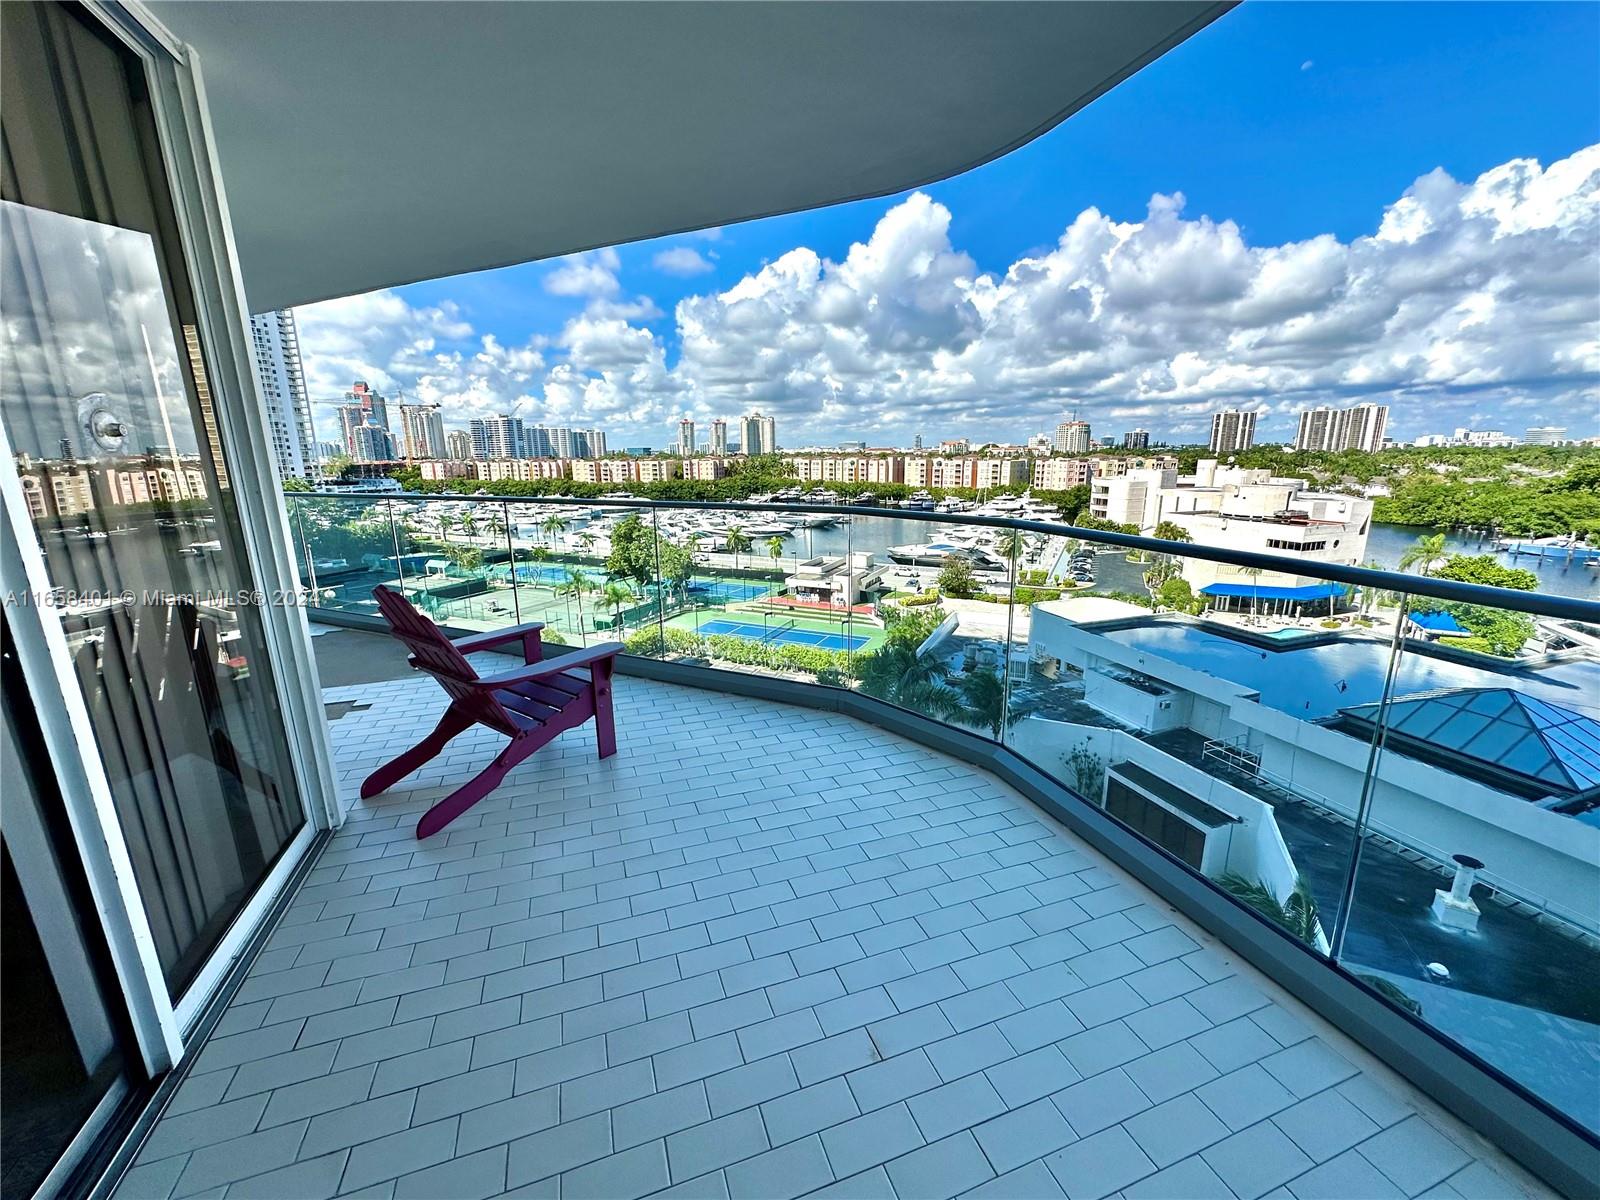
(763, 951)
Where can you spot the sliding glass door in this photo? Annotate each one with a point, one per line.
(64, 1039)
(107, 410)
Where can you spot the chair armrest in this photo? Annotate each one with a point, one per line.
(496, 637)
(553, 666)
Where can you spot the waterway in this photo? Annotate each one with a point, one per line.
(1386, 544)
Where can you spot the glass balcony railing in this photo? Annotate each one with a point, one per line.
(1402, 773)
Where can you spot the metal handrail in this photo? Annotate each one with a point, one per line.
(1538, 603)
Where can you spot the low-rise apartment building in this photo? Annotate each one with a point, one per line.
(706, 468)
(524, 469)
(1002, 472)
(1059, 474)
(439, 471)
(626, 470)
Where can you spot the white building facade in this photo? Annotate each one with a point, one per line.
(276, 342)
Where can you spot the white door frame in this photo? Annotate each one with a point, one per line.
(188, 156)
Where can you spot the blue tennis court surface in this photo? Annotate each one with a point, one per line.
(728, 589)
(778, 635)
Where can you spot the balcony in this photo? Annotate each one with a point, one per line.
(764, 950)
(892, 890)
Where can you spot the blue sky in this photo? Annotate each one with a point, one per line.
(1288, 120)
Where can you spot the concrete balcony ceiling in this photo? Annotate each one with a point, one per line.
(369, 145)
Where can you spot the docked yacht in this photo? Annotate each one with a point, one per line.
(919, 500)
(938, 553)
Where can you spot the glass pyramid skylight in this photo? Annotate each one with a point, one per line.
(1503, 728)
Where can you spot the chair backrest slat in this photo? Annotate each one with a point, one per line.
(434, 653)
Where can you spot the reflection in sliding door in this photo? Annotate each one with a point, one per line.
(106, 405)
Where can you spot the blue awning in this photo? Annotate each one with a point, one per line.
(1246, 591)
(1437, 622)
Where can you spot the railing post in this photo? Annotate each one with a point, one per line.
(511, 562)
(849, 606)
(394, 536)
(661, 584)
(1341, 921)
(1005, 651)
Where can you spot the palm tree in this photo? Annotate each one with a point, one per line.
(496, 524)
(553, 525)
(738, 543)
(1012, 543)
(985, 695)
(573, 587)
(586, 542)
(1423, 553)
(1254, 575)
(616, 596)
(447, 522)
(1297, 914)
(775, 548)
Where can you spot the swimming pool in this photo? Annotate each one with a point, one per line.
(1316, 681)
(783, 637)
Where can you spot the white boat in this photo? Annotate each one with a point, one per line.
(937, 554)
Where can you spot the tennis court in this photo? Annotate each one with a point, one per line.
(728, 589)
(780, 633)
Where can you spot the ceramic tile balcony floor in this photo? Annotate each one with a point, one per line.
(763, 951)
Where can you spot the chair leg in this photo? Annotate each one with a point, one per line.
(469, 793)
(392, 772)
(605, 725)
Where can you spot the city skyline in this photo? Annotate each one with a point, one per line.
(1301, 238)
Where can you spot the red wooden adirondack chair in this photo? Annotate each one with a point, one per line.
(530, 705)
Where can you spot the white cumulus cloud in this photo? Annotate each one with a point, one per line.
(1468, 298)
(592, 273)
(682, 260)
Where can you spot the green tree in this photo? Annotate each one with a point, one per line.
(1171, 531)
(467, 558)
(1012, 543)
(616, 596)
(447, 522)
(957, 578)
(1253, 574)
(469, 525)
(1492, 630)
(1484, 569)
(677, 565)
(1297, 914)
(738, 543)
(1176, 594)
(586, 542)
(574, 587)
(1423, 553)
(553, 525)
(775, 548)
(983, 693)
(633, 551)
(897, 673)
